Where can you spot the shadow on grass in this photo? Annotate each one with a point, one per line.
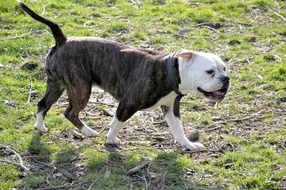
(113, 170)
(59, 166)
(39, 149)
(50, 166)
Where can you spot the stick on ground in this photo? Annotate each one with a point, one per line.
(19, 157)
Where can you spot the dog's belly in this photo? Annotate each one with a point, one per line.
(167, 100)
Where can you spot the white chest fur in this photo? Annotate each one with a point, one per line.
(167, 100)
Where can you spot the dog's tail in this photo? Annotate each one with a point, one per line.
(57, 32)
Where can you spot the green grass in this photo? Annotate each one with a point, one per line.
(248, 35)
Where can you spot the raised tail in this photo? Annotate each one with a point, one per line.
(57, 32)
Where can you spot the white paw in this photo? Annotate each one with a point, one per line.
(87, 131)
(41, 128)
(194, 146)
(113, 141)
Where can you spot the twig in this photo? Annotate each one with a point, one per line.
(210, 28)
(62, 101)
(92, 184)
(103, 129)
(203, 150)
(146, 183)
(15, 37)
(30, 94)
(59, 104)
(277, 14)
(278, 58)
(107, 173)
(14, 163)
(44, 11)
(88, 113)
(136, 3)
(48, 181)
(66, 186)
(159, 122)
(160, 134)
(163, 180)
(232, 120)
(139, 167)
(205, 25)
(131, 186)
(20, 36)
(247, 117)
(183, 36)
(148, 173)
(19, 157)
(108, 113)
(213, 128)
(103, 103)
(43, 163)
(77, 135)
(90, 117)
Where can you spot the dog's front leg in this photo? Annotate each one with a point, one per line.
(123, 113)
(114, 127)
(177, 130)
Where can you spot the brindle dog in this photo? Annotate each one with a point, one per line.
(137, 78)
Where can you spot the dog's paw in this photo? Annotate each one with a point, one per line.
(194, 146)
(113, 141)
(87, 131)
(41, 128)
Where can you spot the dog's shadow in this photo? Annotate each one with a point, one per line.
(130, 171)
(38, 149)
(105, 168)
(49, 165)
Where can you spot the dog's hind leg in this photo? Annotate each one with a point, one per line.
(53, 92)
(78, 95)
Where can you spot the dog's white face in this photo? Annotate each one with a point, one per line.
(203, 73)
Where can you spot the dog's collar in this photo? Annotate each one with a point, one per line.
(173, 74)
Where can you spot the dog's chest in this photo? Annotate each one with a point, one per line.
(167, 100)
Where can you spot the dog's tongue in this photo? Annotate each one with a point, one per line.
(218, 95)
(214, 95)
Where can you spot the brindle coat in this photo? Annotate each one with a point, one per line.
(136, 78)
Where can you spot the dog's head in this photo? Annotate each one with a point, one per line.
(202, 73)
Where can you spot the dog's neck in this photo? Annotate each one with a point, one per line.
(173, 73)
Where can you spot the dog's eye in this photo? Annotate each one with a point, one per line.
(224, 69)
(210, 72)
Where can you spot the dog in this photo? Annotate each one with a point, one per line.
(139, 79)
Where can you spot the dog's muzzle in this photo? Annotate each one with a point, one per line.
(219, 94)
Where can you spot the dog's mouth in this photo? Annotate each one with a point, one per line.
(215, 95)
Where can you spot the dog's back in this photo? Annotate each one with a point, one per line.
(105, 63)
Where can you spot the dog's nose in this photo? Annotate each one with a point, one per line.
(224, 79)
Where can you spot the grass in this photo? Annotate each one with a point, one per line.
(248, 35)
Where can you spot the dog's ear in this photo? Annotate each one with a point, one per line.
(184, 54)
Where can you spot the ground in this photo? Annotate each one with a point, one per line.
(245, 134)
